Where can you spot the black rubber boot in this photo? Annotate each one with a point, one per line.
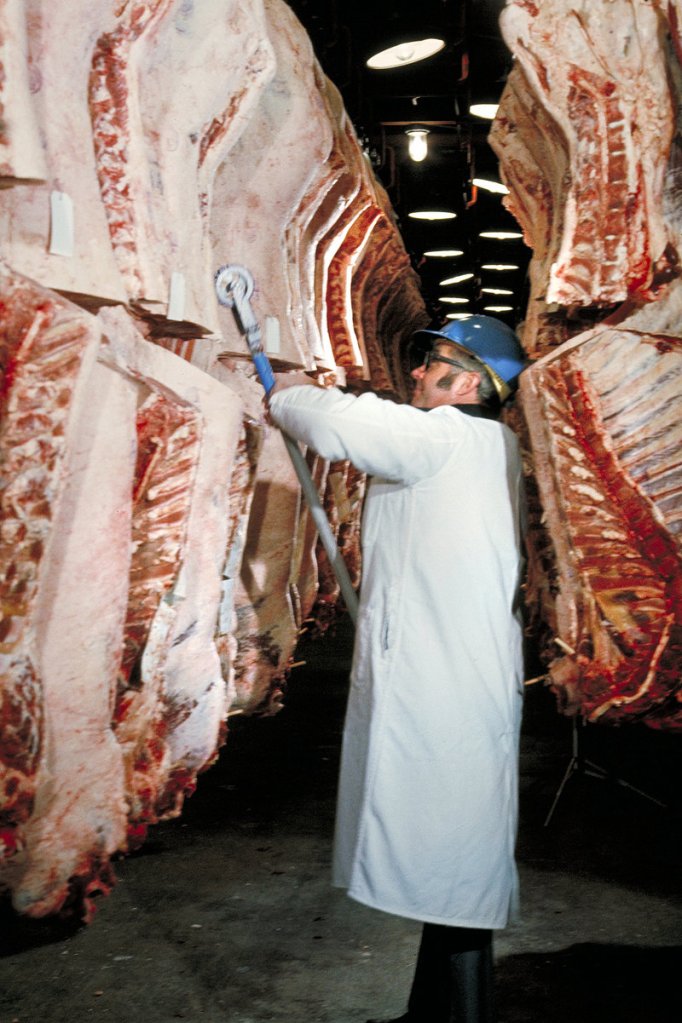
(453, 980)
(472, 998)
(428, 1001)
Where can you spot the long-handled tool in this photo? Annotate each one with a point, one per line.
(234, 287)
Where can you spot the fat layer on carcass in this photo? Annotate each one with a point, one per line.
(21, 154)
(249, 218)
(56, 231)
(161, 131)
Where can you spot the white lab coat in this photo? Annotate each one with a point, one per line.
(427, 804)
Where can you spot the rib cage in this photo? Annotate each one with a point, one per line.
(602, 469)
(607, 90)
(42, 348)
(168, 439)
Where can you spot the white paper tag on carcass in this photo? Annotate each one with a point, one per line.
(176, 297)
(61, 224)
(272, 345)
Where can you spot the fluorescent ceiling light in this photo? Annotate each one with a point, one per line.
(500, 235)
(458, 316)
(417, 147)
(456, 280)
(453, 300)
(499, 266)
(432, 215)
(485, 110)
(498, 308)
(444, 253)
(405, 53)
(490, 186)
(497, 291)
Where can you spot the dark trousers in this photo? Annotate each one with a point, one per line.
(453, 980)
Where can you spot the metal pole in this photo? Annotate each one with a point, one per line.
(234, 287)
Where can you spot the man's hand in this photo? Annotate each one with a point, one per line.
(294, 379)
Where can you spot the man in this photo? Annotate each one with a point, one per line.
(427, 805)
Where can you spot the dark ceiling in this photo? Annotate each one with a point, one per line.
(435, 94)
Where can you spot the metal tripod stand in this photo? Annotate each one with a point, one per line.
(579, 764)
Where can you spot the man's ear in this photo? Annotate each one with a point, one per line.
(466, 382)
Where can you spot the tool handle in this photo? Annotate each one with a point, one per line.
(264, 371)
(323, 528)
(234, 287)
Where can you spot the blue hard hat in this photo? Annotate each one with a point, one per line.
(490, 341)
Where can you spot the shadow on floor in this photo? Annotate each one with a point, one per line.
(19, 934)
(590, 983)
(226, 914)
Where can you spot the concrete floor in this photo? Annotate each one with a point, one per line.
(227, 915)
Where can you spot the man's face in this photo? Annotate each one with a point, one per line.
(435, 383)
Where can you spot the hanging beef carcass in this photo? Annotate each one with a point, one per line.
(161, 131)
(45, 348)
(250, 220)
(606, 115)
(114, 598)
(604, 414)
(157, 560)
(585, 141)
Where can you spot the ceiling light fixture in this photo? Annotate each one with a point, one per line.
(432, 215)
(499, 266)
(444, 253)
(417, 147)
(456, 280)
(458, 316)
(490, 186)
(501, 235)
(485, 110)
(498, 308)
(405, 53)
(497, 291)
(453, 300)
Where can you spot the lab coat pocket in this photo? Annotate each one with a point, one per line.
(386, 634)
(387, 638)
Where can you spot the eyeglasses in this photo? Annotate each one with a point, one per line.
(434, 357)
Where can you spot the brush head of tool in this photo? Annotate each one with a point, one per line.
(230, 280)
